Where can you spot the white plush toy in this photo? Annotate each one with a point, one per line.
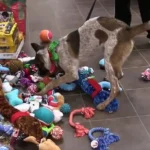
(23, 107)
(26, 59)
(10, 78)
(6, 87)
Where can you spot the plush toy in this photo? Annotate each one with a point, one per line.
(7, 129)
(68, 87)
(46, 35)
(6, 87)
(10, 78)
(45, 115)
(14, 65)
(102, 64)
(90, 86)
(32, 89)
(13, 98)
(44, 145)
(26, 59)
(3, 69)
(23, 107)
(20, 120)
(34, 105)
(146, 74)
(24, 82)
(57, 113)
(106, 85)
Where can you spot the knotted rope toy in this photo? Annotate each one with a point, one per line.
(102, 142)
(90, 86)
(80, 130)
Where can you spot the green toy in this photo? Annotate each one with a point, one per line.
(40, 86)
(52, 47)
(47, 130)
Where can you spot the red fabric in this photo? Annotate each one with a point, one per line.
(53, 66)
(17, 115)
(96, 86)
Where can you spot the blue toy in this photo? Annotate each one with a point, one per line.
(65, 108)
(4, 69)
(107, 85)
(8, 129)
(90, 86)
(13, 98)
(102, 142)
(102, 64)
(68, 86)
(4, 148)
(44, 114)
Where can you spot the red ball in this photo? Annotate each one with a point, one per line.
(46, 35)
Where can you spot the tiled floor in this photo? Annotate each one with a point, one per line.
(132, 121)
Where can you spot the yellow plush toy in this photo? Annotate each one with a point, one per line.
(44, 145)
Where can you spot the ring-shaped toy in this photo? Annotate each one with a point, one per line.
(80, 130)
(102, 142)
(68, 86)
(107, 85)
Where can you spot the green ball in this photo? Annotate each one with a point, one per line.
(40, 86)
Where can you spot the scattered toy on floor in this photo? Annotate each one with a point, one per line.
(68, 87)
(106, 85)
(80, 130)
(90, 86)
(146, 74)
(102, 142)
(102, 64)
(3, 69)
(21, 120)
(46, 36)
(65, 108)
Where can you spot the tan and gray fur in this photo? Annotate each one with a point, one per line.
(77, 46)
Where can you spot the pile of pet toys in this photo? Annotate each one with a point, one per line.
(20, 105)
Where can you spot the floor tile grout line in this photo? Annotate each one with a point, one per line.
(136, 89)
(144, 58)
(79, 11)
(117, 118)
(137, 113)
(85, 106)
(103, 7)
(135, 67)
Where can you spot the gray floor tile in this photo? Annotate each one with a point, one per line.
(131, 132)
(132, 78)
(140, 100)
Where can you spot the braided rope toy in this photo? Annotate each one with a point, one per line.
(102, 142)
(80, 130)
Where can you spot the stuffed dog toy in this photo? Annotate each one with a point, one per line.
(78, 45)
(21, 120)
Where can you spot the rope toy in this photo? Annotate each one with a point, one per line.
(80, 130)
(102, 142)
(90, 86)
(146, 74)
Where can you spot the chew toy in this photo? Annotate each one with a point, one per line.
(102, 142)
(13, 98)
(80, 130)
(102, 64)
(46, 35)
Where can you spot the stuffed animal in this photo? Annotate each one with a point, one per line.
(21, 120)
(10, 78)
(13, 98)
(14, 65)
(6, 87)
(3, 69)
(44, 115)
(44, 145)
(26, 59)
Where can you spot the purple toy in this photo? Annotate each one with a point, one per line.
(8, 129)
